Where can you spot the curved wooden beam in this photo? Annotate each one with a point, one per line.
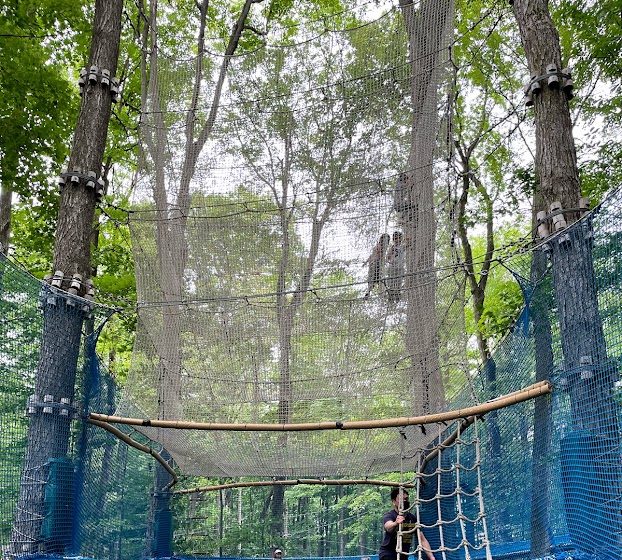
(310, 481)
(132, 443)
(530, 392)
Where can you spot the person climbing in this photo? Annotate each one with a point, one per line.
(391, 521)
(375, 262)
(395, 270)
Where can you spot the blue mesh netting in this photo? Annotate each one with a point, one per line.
(551, 467)
(97, 486)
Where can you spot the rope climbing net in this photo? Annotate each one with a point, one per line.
(454, 484)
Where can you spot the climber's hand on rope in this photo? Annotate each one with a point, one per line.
(400, 519)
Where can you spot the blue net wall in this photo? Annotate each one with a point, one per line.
(114, 485)
(19, 340)
(551, 467)
(99, 485)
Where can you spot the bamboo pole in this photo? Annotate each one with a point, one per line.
(309, 481)
(132, 443)
(450, 440)
(530, 392)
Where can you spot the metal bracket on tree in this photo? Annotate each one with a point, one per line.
(79, 292)
(558, 219)
(554, 78)
(94, 75)
(90, 179)
(49, 404)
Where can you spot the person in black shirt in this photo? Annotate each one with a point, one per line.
(375, 262)
(391, 521)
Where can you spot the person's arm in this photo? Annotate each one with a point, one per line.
(425, 545)
(390, 525)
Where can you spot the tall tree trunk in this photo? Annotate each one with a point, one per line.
(286, 314)
(341, 522)
(478, 285)
(288, 306)
(277, 509)
(285, 319)
(426, 26)
(221, 521)
(363, 543)
(6, 200)
(240, 520)
(587, 371)
(48, 433)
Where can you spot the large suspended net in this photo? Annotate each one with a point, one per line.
(446, 489)
(296, 265)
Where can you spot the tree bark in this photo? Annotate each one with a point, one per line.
(72, 251)
(556, 160)
(48, 434)
(587, 371)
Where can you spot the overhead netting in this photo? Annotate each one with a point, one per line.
(296, 265)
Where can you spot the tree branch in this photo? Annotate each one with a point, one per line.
(255, 30)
